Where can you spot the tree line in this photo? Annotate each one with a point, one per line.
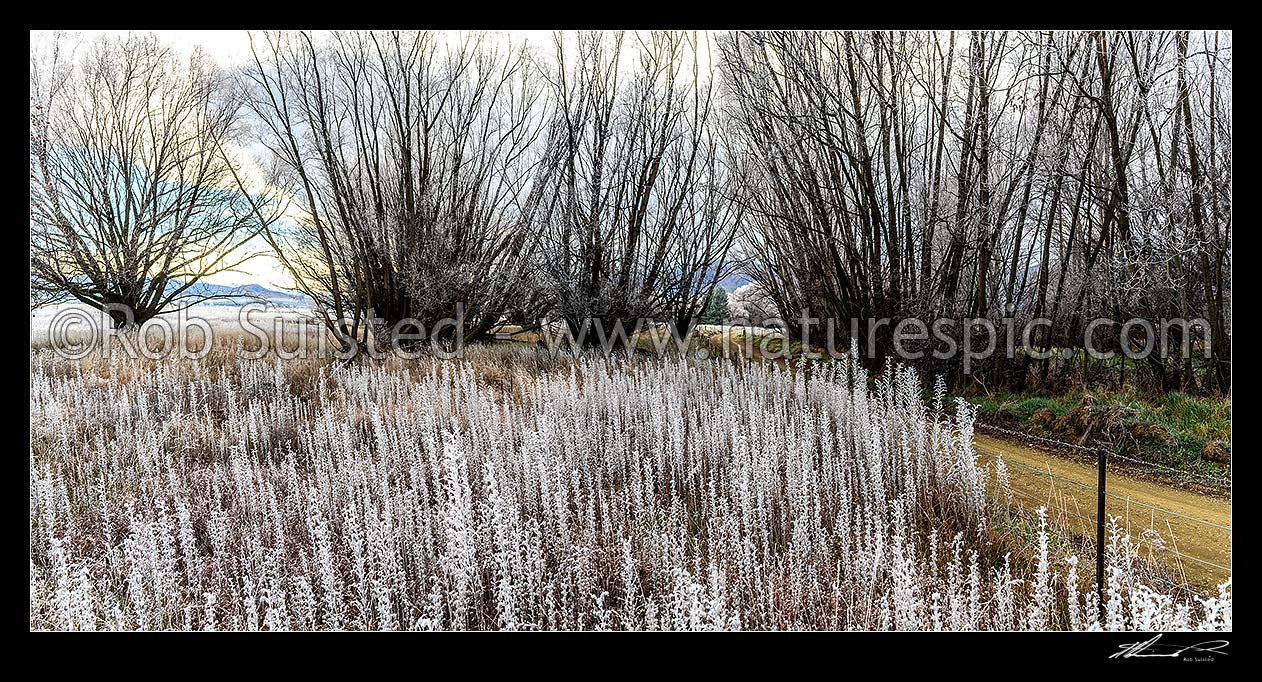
(617, 176)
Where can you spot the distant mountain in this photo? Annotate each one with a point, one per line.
(205, 293)
(734, 281)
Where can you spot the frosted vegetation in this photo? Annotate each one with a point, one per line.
(508, 491)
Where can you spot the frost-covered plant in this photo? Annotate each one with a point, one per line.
(1041, 600)
(508, 491)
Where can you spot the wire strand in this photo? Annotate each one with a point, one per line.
(1129, 500)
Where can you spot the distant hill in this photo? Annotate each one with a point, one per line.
(204, 293)
(734, 281)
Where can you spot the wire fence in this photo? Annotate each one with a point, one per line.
(1206, 479)
(1126, 499)
(1217, 481)
(1092, 522)
(1053, 476)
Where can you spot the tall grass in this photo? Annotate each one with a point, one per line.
(510, 492)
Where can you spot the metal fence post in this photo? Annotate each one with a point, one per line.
(1103, 460)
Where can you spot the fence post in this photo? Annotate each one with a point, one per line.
(1102, 463)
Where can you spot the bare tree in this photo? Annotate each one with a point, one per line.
(132, 194)
(408, 158)
(749, 304)
(637, 221)
(989, 175)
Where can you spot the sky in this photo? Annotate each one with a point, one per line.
(232, 48)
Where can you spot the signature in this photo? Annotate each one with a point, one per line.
(1151, 649)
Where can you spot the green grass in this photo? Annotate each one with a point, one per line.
(1183, 423)
(1192, 417)
(1023, 406)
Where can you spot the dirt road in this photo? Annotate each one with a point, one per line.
(1195, 528)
